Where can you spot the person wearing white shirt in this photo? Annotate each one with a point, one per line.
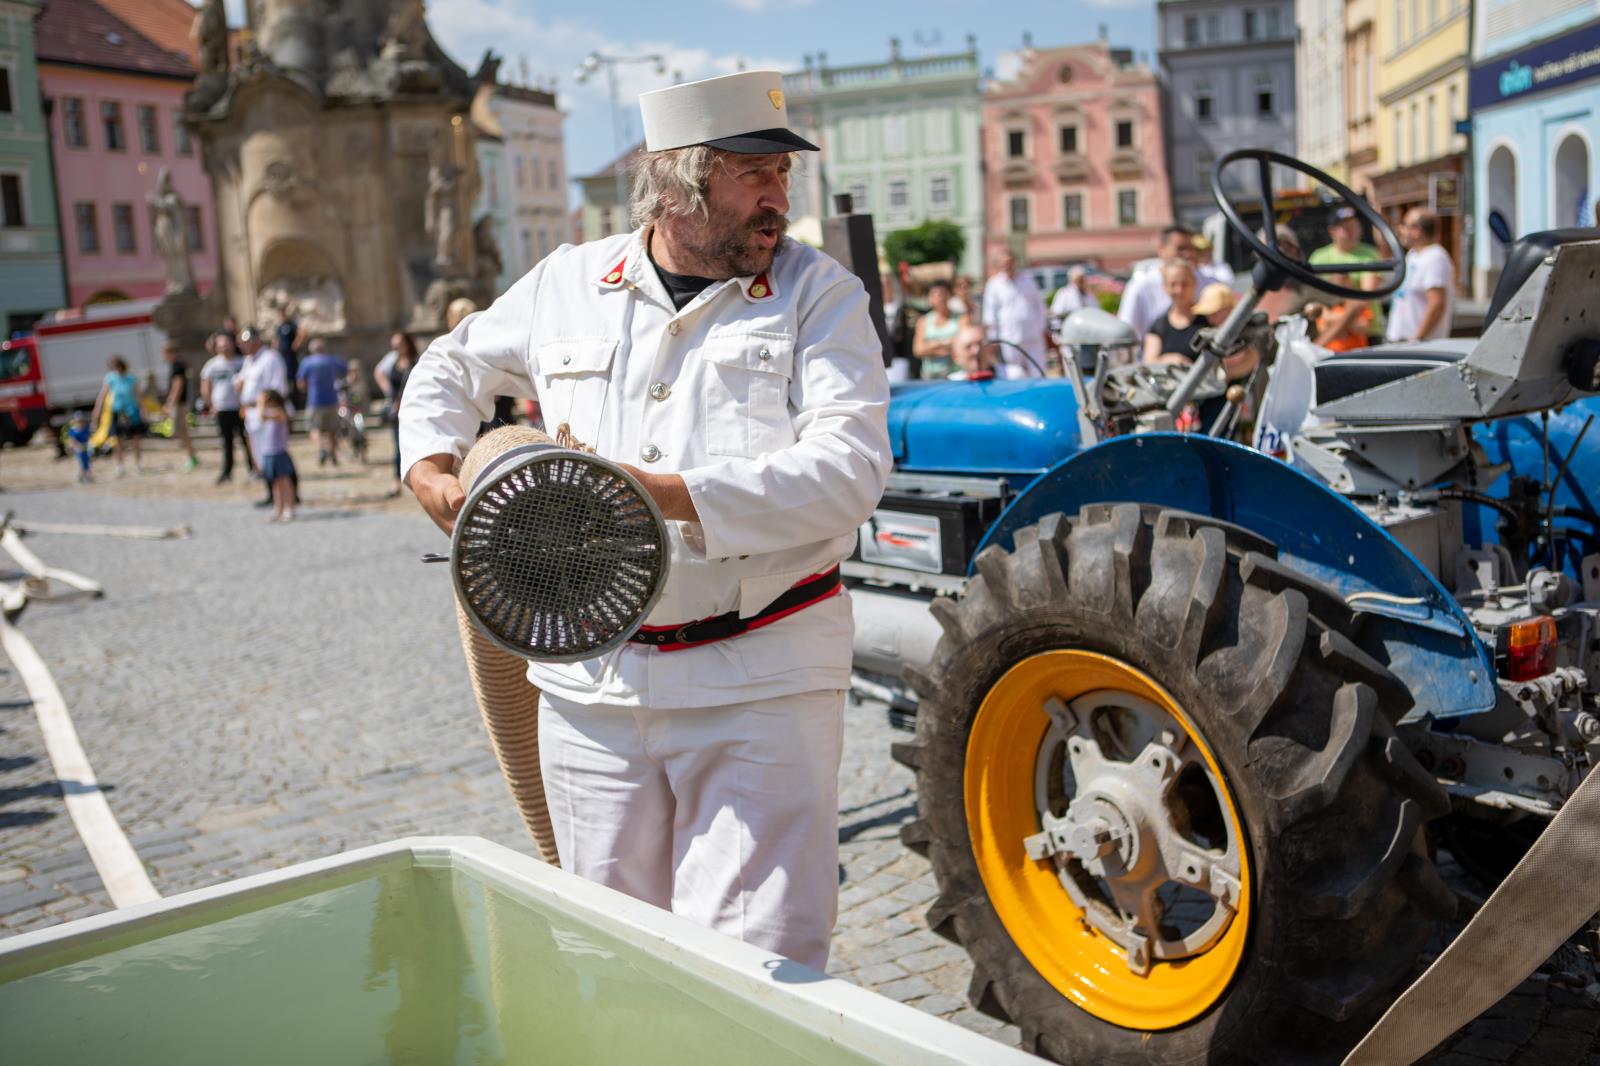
(1144, 299)
(1073, 295)
(738, 376)
(1425, 303)
(1013, 313)
(263, 369)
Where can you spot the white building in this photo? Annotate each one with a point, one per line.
(1320, 131)
(522, 168)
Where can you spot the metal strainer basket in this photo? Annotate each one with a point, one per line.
(557, 555)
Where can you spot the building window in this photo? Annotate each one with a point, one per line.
(180, 135)
(858, 197)
(122, 229)
(1072, 211)
(1203, 162)
(193, 233)
(936, 132)
(1213, 29)
(1124, 133)
(149, 130)
(111, 120)
(1264, 94)
(88, 225)
(899, 195)
(521, 179)
(1399, 22)
(73, 130)
(1205, 106)
(6, 106)
(895, 137)
(1127, 207)
(527, 248)
(555, 175)
(1416, 132)
(1069, 140)
(1191, 30)
(11, 215)
(1274, 24)
(1249, 25)
(1399, 142)
(1016, 144)
(939, 193)
(855, 137)
(1019, 214)
(1433, 127)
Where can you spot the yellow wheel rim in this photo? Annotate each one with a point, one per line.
(1050, 929)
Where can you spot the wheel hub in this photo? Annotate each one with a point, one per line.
(1130, 847)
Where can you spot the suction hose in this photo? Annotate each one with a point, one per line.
(507, 700)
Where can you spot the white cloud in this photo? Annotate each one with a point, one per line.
(762, 5)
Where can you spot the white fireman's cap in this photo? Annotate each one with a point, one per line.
(743, 113)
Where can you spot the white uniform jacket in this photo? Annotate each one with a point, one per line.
(767, 394)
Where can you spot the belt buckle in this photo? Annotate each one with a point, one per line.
(681, 634)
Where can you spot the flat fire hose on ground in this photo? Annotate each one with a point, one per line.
(557, 556)
(1547, 897)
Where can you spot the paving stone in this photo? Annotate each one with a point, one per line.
(940, 1004)
(879, 974)
(907, 989)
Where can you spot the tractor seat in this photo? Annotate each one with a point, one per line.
(1346, 373)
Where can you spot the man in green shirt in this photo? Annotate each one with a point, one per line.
(1349, 324)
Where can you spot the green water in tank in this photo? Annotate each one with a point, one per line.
(414, 965)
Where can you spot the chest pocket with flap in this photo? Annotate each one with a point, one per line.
(747, 393)
(573, 374)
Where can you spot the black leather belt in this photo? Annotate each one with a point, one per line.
(812, 590)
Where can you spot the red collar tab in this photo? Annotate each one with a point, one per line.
(759, 288)
(613, 277)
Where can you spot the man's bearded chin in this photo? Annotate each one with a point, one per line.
(741, 249)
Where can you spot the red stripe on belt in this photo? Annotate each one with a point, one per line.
(813, 589)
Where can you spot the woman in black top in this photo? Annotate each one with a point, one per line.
(1171, 338)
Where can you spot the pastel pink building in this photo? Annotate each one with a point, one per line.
(113, 96)
(1075, 168)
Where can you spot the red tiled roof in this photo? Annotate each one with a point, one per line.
(82, 33)
(167, 23)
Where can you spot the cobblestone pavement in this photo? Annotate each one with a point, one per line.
(261, 695)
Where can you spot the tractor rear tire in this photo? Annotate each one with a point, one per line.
(1261, 666)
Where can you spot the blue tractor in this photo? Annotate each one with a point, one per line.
(1190, 719)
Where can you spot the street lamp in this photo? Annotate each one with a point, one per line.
(586, 70)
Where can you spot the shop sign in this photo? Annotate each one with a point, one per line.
(1444, 194)
(1560, 61)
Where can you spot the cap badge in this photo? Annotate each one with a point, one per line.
(776, 96)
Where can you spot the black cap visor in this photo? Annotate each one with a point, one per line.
(764, 142)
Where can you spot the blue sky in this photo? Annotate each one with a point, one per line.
(702, 38)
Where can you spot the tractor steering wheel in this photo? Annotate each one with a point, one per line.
(1268, 250)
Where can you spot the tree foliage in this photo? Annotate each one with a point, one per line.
(934, 241)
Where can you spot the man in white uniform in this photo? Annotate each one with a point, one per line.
(1013, 311)
(740, 372)
(263, 369)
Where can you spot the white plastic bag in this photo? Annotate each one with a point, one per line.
(1291, 390)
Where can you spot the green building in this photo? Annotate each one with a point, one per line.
(900, 136)
(31, 279)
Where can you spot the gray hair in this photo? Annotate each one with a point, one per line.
(671, 182)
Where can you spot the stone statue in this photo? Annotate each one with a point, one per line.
(442, 220)
(171, 239)
(406, 35)
(211, 31)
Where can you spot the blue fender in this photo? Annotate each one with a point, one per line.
(1430, 644)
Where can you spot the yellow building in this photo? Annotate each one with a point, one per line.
(1420, 49)
(1361, 94)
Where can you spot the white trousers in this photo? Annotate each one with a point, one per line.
(728, 816)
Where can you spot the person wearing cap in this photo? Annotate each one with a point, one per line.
(736, 373)
(1350, 323)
